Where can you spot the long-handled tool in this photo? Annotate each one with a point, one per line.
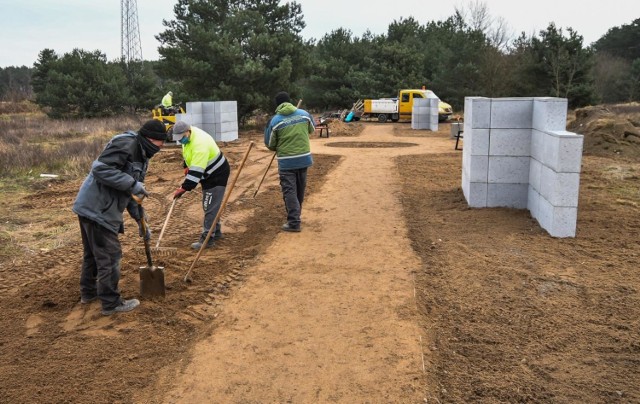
(222, 206)
(265, 174)
(271, 161)
(151, 277)
(166, 250)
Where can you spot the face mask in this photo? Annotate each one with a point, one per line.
(184, 140)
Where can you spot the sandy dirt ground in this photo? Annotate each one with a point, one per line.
(395, 290)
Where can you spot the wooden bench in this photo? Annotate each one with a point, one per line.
(322, 126)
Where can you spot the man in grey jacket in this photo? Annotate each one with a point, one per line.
(115, 175)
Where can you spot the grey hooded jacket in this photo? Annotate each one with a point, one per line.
(106, 191)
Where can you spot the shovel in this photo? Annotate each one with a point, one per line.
(151, 277)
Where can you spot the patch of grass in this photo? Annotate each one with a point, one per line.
(7, 248)
(32, 143)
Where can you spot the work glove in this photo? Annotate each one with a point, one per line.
(147, 234)
(179, 193)
(138, 190)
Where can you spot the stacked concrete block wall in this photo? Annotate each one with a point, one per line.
(424, 114)
(217, 118)
(517, 154)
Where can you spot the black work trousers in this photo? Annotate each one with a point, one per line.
(293, 184)
(100, 264)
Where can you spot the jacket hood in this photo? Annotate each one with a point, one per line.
(286, 108)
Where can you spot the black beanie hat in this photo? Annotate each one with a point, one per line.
(154, 129)
(281, 97)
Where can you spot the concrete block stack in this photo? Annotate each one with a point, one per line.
(424, 114)
(217, 118)
(517, 154)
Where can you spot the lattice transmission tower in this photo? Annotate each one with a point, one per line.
(130, 46)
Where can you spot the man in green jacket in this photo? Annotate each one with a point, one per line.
(288, 135)
(206, 165)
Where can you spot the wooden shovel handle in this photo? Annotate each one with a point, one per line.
(143, 225)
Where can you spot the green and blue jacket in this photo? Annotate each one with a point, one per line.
(288, 135)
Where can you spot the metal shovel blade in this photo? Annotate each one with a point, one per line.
(152, 281)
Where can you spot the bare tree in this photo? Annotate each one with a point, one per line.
(475, 13)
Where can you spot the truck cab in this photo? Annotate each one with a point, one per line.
(405, 104)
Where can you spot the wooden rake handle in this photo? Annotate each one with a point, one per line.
(265, 174)
(222, 206)
(166, 221)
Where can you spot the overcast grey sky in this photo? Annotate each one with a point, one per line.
(28, 26)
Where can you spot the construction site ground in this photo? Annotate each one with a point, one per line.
(394, 291)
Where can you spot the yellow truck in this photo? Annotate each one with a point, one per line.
(394, 109)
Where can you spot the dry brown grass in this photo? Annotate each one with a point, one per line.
(32, 144)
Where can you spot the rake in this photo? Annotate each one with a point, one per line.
(166, 251)
(157, 250)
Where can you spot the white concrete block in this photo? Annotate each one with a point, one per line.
(557, 221)
(421, 110)
(227, 136)
(569, 152)
(209, 117)
(533, 202)
(477, 197)
(208, 107)
(545, 213)
(227, 106)
(535, 171)
(433, 126)
(478, 141)
(478, 168)
(537, 144)
(475, 193)
(226, 127)
(419, 125)
(195, 119)
(511, 113)
(549, 113)
(477, 112)
(466, 158)
(194, 107)
(508, 170)
(433, 102)
(562, 151)
(507, 195)
(510, 142)
(420, 102)
(464, 184)
(564, 222)
(210, 128)
(560, 189)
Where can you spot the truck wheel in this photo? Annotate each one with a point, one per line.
(382, 118)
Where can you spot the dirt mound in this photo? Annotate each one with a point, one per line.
(341, 128)
(609, 129)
